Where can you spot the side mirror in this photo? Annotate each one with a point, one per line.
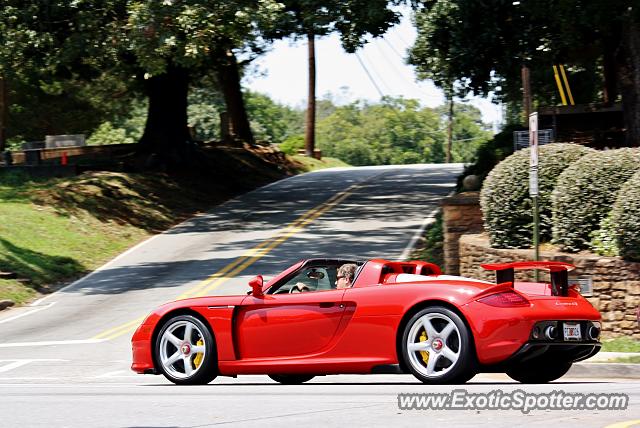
(256, 286)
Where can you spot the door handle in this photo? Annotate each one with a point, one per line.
(327, 304)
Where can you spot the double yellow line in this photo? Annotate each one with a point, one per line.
(241, 263)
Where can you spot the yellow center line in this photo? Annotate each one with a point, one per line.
(242, 262)
(625, 424)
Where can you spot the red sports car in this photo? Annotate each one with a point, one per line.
(395, 317)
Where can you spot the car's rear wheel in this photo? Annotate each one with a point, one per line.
(185, 351)
(291, 379)
(437, 347)
(538, 371)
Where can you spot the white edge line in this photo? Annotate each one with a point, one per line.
(24, 314)
(418, 233)
(51, 343)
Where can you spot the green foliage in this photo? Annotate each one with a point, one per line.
(205, 119)
(625, 219)
(603, 240)
(489, 153)
(292, 144)
(108, 134)
(271, 121)
(353, 20)
(585, 193)
(621, 344)
(397, 131)
(451, 33)
(505, 201)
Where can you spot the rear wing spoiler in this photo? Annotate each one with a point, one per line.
(559, 272)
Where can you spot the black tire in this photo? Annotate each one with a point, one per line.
(538, 372)
(458, 343)
(202, 373)
(291, 379)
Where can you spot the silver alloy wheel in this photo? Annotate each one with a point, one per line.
(443, 345)
(181, 344)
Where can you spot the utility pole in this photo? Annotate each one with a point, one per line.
(526, 93)
(4, 110)
(310, 132)
(450, 129)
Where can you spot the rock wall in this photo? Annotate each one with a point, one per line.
(460, 214)
(616, 283)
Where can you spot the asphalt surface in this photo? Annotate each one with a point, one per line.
(64, 361)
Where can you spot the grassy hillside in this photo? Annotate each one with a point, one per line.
(55, 230)
(306, 164)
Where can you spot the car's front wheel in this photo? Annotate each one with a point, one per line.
(437, 347)
(291, 379)
(185, 351)
(538, 371)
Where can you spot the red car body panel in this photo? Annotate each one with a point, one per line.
(356, 329)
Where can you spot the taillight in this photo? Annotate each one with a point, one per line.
(505, 299)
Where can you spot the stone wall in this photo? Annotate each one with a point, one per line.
(460, 214)
(616, 283)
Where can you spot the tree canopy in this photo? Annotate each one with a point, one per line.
(482, 45)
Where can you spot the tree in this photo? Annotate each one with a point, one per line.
(399, 131)
(483, 46)
(354, 20)
(158, 47)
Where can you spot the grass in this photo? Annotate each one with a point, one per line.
(56, 230)
(620, 344)
(306, 164)
(627, 360)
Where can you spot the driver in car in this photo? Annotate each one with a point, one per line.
(344, 278)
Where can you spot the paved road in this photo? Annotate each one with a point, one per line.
(330, 401)
(84, 330)
(65, 360)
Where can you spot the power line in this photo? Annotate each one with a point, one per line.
(364, 67)
(375, 72)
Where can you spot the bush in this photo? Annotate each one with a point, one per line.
(586, 192)
(292, 144)
(489, 153)
(108, 134)
(625, 217)
(505, 201)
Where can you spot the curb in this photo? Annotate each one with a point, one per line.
(605, 370)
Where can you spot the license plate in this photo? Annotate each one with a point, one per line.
(572, 331)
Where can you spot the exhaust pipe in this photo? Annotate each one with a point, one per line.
(550, 332)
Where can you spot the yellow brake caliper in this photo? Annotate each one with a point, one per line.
(198, 359)
(424, 354)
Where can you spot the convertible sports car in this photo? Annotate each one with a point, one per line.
(397, 317)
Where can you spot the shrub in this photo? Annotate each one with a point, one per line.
(625, 217)
(292, 144)
(505, 201)
(108, 134)
(585, 193)
(489, 153)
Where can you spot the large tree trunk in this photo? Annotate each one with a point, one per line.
(166, 130)
(310, 132)
(229, 78)
(629, 80)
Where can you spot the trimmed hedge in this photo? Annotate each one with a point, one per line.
(505, 201)
(625, 217)
(585, 194)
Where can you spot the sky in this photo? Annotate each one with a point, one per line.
(282, 72)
